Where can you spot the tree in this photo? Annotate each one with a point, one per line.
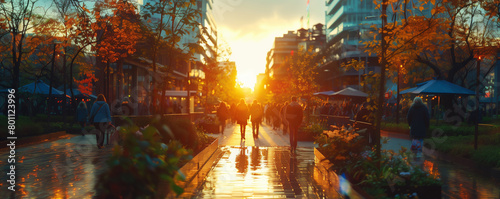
(117, 30)
(442, 35)
(301, 74)
(168, 21)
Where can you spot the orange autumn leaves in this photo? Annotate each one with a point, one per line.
(117, 32)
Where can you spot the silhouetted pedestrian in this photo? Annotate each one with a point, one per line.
(81, 115)
(242, 114)
(223, 115)
(100, 116)
(256, 114)
(294, 114)
(418, 119)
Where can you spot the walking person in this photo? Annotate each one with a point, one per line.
(223, 115)
(241, 115)
(418, 119)
(256, 114)
(81, 115)
(293, 115)
(100, 116)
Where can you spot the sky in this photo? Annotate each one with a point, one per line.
(250, 26)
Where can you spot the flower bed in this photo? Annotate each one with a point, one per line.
(386, 176)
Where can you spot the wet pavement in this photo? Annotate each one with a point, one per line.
(261, 168)
(65, 168)
(458, 181)
(261, 172)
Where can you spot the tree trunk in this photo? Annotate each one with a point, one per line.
(384, 45)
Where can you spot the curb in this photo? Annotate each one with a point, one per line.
(197, 169)
(24, 141)
(485, 170)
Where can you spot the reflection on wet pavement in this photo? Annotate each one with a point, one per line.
(261, 172)
(457, 181)
(65, 168)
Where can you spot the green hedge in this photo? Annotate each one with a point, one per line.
(488, 152)
(24, 127)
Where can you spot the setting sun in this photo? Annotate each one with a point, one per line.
(250, 28)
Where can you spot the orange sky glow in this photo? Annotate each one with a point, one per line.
(250, 26)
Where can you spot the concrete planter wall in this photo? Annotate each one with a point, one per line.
(332, 183)
(197, 169)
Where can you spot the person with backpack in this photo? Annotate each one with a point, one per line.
(100, 116)
(242, 114)
(256, 114)
(293, 115)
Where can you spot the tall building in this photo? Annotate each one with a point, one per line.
(290, 43)
(286, 46)
(346, 22)
(207, 31)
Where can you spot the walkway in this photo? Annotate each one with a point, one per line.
(260, 168)
(64, 168)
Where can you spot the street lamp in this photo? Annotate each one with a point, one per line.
(397, 96)
(476, 128)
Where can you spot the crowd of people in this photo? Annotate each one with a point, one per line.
(355, 111)
(286, 117)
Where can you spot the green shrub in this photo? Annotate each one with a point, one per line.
(487, 155)
(25, 127)
(402, 127)
(142, 167)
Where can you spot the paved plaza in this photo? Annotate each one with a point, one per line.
(261, 168)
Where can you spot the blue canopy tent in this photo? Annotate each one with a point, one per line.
(38, 87)
(79, 94)
(350, 92)
(325, 93)
(438, 87)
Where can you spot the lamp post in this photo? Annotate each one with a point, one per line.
(51, 100)
(476, 128)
